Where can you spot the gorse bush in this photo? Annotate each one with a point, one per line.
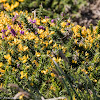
(48, 57)
(42, 57)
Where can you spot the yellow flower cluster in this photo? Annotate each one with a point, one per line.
(2, 1)
(10, 7)
(42, 40)
(13, 5)
(8, 57)
(44, 71)
(23, 59)
(21, 0)
(87, 38)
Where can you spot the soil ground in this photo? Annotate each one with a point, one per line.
(89, 14)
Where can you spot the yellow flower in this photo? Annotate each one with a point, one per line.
(75, 41)
(52, 24)
(13, 69)
(1, 85)
(68, 20)
(16, 41)
(89, 37)
(58, 59)
(19, 58)
(85, 46)
(36, 63)
(2, 1)
(7, 67)
(63, 24)
(91, 40)
(23, 75)
(37, 54)
(35, 46)
(52, 88)
(0, 75)
(54, 58)
(55, 45)
(20, 47)
(9, 61)
(43, 48)
(97, 46)
(44, 71)
(76, 29)
(25, 48)
(21, 97)
(84, 33)
(16, 4)
(88, 31)
(37, 21)
(7, 56)
(27, 67)
(86, 54)
(31, 36)
(42, 36)
(52, 74)
(98, 35)
(52, 32)
(44, 21)
(60, 46)
(80, 44)
(20, 0)
(83, 70)
(2, 71)
(73, 61)
(31, 84)
(10, 37)
(6, 6)
(95, 80)
(48, 51)
(74, 98)
(11, 7)
(40, 31)
(1, 64)
(0, 42)
(25, 58)
(46, 43)
(78, 35)
(62, 30)
(90, 68)
(50, 41)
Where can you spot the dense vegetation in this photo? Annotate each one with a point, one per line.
(42, 57)
(52, 8)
